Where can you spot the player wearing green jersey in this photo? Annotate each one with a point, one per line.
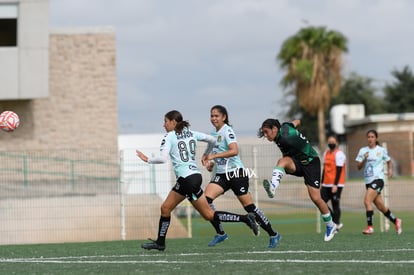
(180, 145)
(299, 159)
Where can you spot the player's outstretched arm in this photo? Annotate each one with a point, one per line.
(142, 156)
(296, 123)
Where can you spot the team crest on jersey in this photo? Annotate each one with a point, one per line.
(219, 139)
(378, 154)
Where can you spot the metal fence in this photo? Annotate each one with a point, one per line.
(99, 195)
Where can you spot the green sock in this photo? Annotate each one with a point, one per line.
(327, 218)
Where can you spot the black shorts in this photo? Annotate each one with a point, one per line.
(238, 181)
(327, 195)
(190, 186)
(311, 173)
(377, 185)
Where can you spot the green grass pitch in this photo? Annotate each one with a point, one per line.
(299, 252)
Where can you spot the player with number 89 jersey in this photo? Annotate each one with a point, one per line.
(182, 148)
(180, 145)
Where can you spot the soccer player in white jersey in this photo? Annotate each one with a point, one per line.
(180, 145)
(372, 158)
(230, 173)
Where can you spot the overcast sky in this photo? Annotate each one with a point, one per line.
(189, 55)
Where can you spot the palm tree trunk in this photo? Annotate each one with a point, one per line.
(321, 129)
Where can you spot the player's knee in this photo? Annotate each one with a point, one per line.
(209, 200)
(207, 214)
(165, 210)
(250, 208)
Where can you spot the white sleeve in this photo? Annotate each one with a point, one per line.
(360, 157)
(324, 155)
(163, 158)
(230, 135)
(211, 141)
(340, 158)
(164, 152)
(386, 156)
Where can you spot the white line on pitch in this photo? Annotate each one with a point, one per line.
(39, 260)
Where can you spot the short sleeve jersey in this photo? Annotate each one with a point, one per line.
(182, 147)
(224, 137)
(294, 144)
(374, 166)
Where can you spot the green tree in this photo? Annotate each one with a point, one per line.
(399, 96)
(308, 122)
(356, 89)
(312, 59)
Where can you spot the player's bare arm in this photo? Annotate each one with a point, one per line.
(296, 122)
(142, 156)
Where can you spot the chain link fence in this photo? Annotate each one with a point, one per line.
(99, 195)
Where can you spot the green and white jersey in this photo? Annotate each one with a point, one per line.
(223, 138)
(294, 144)
(181, 147)
(374, 166)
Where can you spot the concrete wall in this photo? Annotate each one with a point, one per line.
(399, 142)
(81, 109)
(24, 68)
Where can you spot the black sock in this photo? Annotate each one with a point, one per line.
(261, 219)
(224, 216)
(216, 224)
(390, 216)
(162, 229)
(336, 213)
(370, 217)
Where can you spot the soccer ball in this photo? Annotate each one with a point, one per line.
(9, 121)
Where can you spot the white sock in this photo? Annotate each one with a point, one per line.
(327, 218)
(277, 175)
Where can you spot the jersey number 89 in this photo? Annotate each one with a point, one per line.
(187, 152)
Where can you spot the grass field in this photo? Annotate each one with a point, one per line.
(350, 252)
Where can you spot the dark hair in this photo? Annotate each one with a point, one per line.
(372, 131)
(268, 123)
(333, 136)
(222, 110)
(177, 116)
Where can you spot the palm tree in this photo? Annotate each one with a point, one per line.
(312, 59)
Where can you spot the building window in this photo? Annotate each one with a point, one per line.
(8, 25)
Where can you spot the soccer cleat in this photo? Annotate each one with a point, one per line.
(369, 230)
(274, 241)
(218, 239)
(338, 227)
(330, 232)
(153, 245)
(270, 188)
(252, 223)
(398, 226)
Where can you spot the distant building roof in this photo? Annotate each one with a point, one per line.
(83, 30)
(380, 118)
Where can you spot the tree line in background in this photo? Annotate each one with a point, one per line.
(312, 60)
(397, 97)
